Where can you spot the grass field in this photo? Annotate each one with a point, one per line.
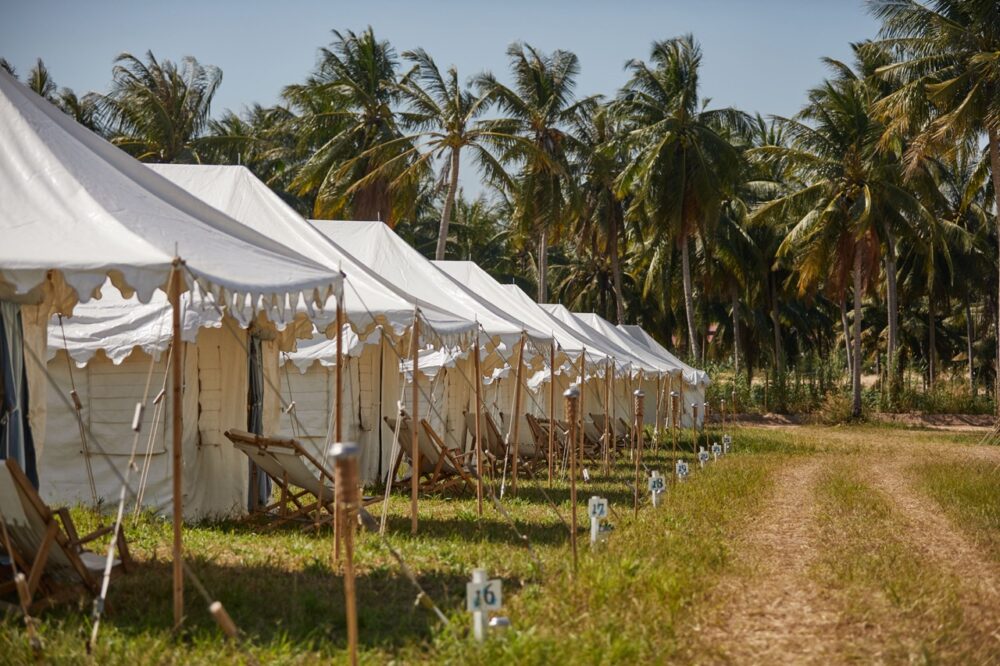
(647, 594)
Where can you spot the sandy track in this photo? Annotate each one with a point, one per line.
(774, 613)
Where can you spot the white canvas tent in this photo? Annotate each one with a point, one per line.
(77, 211)
(694, 381)
(393, 259)
(378, 313)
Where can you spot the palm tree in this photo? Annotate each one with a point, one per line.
(444, 112)
(533, 137)
(157, 111)
(40, 81)
(682, 165)
(348, 131)
(602, 158)
(849, 187)
(948, 73)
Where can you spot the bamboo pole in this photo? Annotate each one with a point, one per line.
(345, 485)
(516, 416)
(572, 395)
(552, 408)
(176, 371)
(479, 427)
(674, 400)
(338, 412)
(609, 373)
(638, 396)
(414, 421)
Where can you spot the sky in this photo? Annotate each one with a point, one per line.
(759, 55)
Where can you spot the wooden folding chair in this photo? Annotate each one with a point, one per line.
(284, 460)
(437, 466)
(494, 448)
(48, 551)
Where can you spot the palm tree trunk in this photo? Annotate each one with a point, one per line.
(968, 347)
(931, 344)
(892, 306)
(856, 364)
(688, 298)
(449, 202)
(543, 266)
(736, 327)
(779, 350)
(995, 168)
(616, 269)
(847, 334)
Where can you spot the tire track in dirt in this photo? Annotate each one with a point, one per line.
(936, 537)
(774, 612)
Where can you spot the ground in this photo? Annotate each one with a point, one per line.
(807, 545)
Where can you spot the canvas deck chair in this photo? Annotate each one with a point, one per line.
(284, 460)
(615, 430)
(441, 468)
(494, 447)
(46, 546)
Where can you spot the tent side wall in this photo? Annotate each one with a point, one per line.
(214, 400)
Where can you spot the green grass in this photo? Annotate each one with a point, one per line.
(627, 600)
(969, 491)
(881, 581)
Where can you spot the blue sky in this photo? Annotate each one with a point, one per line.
(758, 55)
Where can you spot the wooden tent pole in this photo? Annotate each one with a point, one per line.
(580, 406)
(656, 415)
(338, 411)
(516, 416)
(572, 396)
(479, 428)
(347, 502)
(176, 371)
(637, 427)
(415, 421)
(552, 407)
(608, 375)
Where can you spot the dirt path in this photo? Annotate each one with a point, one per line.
(774, 613)
(937, 538)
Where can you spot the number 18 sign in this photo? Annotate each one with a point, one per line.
(485, 596)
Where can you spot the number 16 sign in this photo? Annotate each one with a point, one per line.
(483, 596)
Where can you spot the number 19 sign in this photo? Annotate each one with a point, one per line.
(484, 596)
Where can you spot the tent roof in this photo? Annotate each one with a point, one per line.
(639, 334)
(597, 339)
(390, 256)
(368, 299)
(516, 303)
(616, 335)
(74, 203)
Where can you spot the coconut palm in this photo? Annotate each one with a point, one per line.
(532, 138)
(948, 73)
(156, 110)
(444, 113)
(682, 165)
(849, 187)
(348, 131)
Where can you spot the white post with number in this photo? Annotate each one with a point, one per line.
(597, 508)
(657, 484)
(482, 596)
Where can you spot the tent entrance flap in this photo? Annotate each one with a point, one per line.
(15, 431)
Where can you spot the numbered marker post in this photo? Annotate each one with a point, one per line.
(681, 470)
(716, 450)
(657, 484)
(482, 596)
(702, 456)
(597, 509)
(727, 443)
